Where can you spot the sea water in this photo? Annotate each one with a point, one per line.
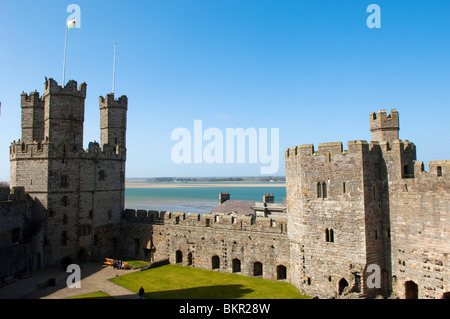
(194, 199)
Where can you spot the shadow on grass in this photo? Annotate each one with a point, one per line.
(207, 292)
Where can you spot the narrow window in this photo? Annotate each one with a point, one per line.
(374, 192)
(324, 190)
(439, 170)
(101, 175)
(344, 190)
(319, 190)
(331, 235)
(15, 236)
(64, 181)
(109, 214)
(376, 233)
(327, 235)
(177, 220)
(65, 201)
(64, 238)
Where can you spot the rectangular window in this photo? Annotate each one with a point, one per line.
(64, 238)
(439, 170)
(344, 189)
(64, 181)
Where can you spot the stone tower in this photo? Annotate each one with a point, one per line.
(78, 190)
(383, 126)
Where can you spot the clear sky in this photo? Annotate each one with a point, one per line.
(313, 69)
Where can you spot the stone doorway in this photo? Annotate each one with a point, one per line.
(257, 269)
(281, 272)
(342, 285)
(411, 290)
(236, 265)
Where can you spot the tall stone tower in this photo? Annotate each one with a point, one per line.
(78, 190)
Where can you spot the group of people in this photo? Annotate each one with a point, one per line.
(118, 264)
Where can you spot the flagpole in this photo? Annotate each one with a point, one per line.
(64, 65)
(114, 69)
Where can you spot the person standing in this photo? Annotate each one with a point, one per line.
(141, 293)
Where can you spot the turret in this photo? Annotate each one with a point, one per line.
(64, 113)
(384, 127)
(32, 117)
(113, 120)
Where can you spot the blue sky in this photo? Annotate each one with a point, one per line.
(313, 69)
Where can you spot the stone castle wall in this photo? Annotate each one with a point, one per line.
(195, 240)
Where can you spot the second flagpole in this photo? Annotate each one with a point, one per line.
(114, 69)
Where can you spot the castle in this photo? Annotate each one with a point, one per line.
(349, 213)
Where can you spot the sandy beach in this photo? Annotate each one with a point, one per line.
(200, 184)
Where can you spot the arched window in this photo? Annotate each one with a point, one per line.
(331, 235)
(215, 262)
(319, 190)
(324, 190)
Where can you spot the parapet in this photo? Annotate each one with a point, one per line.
(31, 100)
(325, 148)
(217, 221)
(110, 101)
(52, 87)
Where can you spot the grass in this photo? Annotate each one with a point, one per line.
(93, 295)
(137, 263)
(180, 282)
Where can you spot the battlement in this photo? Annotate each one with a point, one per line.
(31, 100)
(52, 87)
(217, 221)
(437, 171)
(107, 151)
(20, 149)
(13, 194)
(110, 101)
(357, 146)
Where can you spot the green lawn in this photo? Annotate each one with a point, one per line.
(93, 295)
(179, 282)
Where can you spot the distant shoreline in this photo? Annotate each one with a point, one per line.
(200, 184)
